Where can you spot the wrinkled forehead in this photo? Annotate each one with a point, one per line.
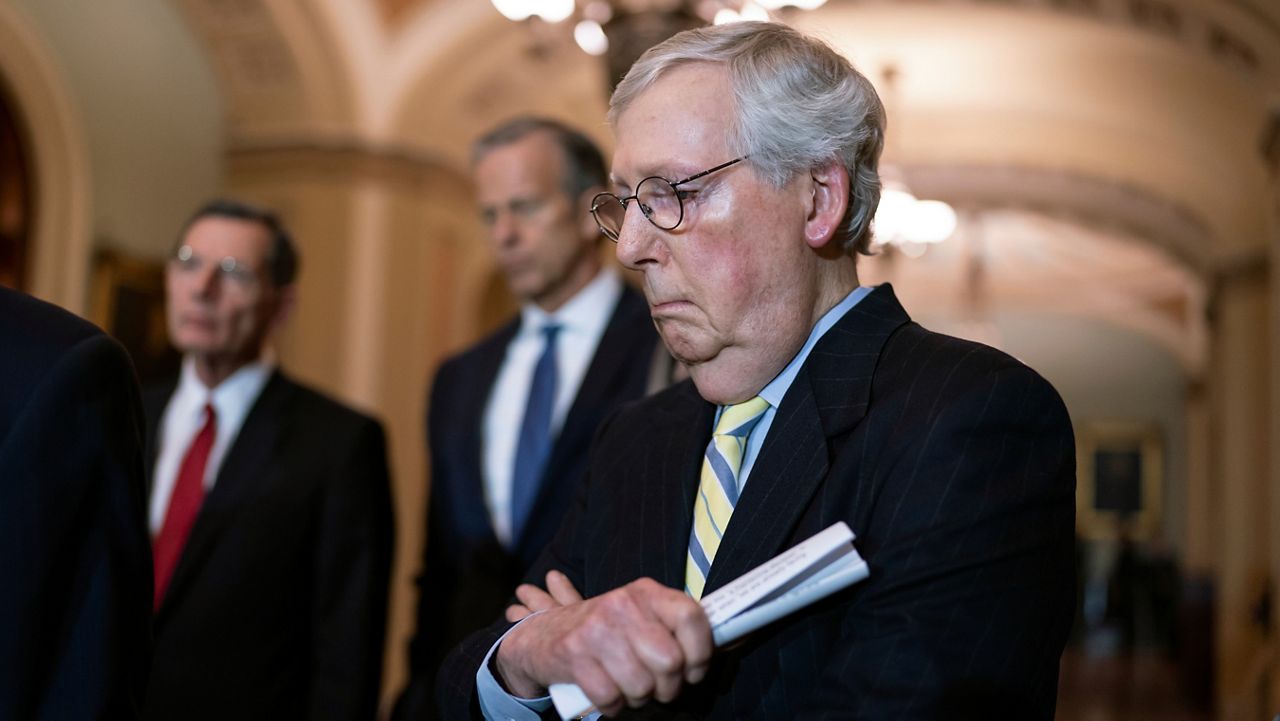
(216, 236)
(679, 125)
(530, 165)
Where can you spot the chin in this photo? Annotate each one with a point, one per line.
(679, 347)
(714, 387)
(192, 345)
(687, 350)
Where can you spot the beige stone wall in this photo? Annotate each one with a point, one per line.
(1242, 418)
(393, 279)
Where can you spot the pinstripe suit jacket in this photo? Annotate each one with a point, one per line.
(954, 465)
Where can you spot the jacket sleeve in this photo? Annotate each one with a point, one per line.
(970, 545)
(353, 570)
(75, 610)
(456, 682)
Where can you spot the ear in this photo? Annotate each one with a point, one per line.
(828, 190)
(286, 301)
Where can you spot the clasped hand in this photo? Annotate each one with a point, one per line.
(639, 642)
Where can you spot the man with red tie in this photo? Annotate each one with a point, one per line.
(270, 506)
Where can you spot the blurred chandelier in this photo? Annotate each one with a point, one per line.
(902, 220)
(907, 222)
(599, 23)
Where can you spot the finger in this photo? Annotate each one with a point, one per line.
(516, 612)
(598, 686)
(534, 598)
(634, 679)
(689, 624)
(562, 589)
(662, 655)
(620, 625)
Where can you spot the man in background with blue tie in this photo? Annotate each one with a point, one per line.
(510, 419)
(744, 183)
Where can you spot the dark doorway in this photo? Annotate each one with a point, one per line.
(15, 194)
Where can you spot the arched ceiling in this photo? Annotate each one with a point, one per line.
(1172, 96)
(517, 73)
(1082, 124)
(281, 69)
(1042, 265)
(1012, 86)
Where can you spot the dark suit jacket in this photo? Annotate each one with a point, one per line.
(468, 576)
(75, 563)
(277, 608)
(954, 465)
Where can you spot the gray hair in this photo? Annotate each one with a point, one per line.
(799, 104)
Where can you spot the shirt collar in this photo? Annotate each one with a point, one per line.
(777, 388)
(237, 390)
(582, 312)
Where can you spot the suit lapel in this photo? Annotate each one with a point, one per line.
(476, 401)
(790, 467)
(154, 401)
(614, 357)
(826, 400)
(682, 430)
(246, 463)
(610, 359)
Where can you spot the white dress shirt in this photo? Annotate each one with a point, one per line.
(582, 323)
(184, 417)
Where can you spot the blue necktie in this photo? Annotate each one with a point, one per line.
(534, 444)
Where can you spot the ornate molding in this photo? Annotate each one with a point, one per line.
(244, 40)
(348, 159)
(1089, 201)
(1205, 27)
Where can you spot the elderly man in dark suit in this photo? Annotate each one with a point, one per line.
(75, 577)
(746, 180)
(510, 419)
(270, 503)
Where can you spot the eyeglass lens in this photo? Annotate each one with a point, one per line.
(658, 200)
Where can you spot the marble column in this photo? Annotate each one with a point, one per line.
(1242, 414)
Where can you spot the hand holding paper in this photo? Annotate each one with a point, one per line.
(635, 643)
(792, 580)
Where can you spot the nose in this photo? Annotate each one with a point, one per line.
(204, 282)
(639, 243)
(503, 230)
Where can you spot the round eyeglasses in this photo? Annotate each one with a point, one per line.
(661, 201)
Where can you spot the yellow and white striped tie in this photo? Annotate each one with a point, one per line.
(718, 489)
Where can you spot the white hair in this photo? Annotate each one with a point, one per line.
(799, 104)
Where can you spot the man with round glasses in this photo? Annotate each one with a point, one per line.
(813, 400)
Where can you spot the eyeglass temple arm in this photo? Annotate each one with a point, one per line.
(709, 171)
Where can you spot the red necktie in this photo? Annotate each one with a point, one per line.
(184, 504)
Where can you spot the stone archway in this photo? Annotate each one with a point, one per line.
(59, 250)
(15, 195)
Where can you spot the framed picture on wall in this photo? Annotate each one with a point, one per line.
(1120, 479)
(127, 301)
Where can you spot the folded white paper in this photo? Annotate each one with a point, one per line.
(793, 579)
